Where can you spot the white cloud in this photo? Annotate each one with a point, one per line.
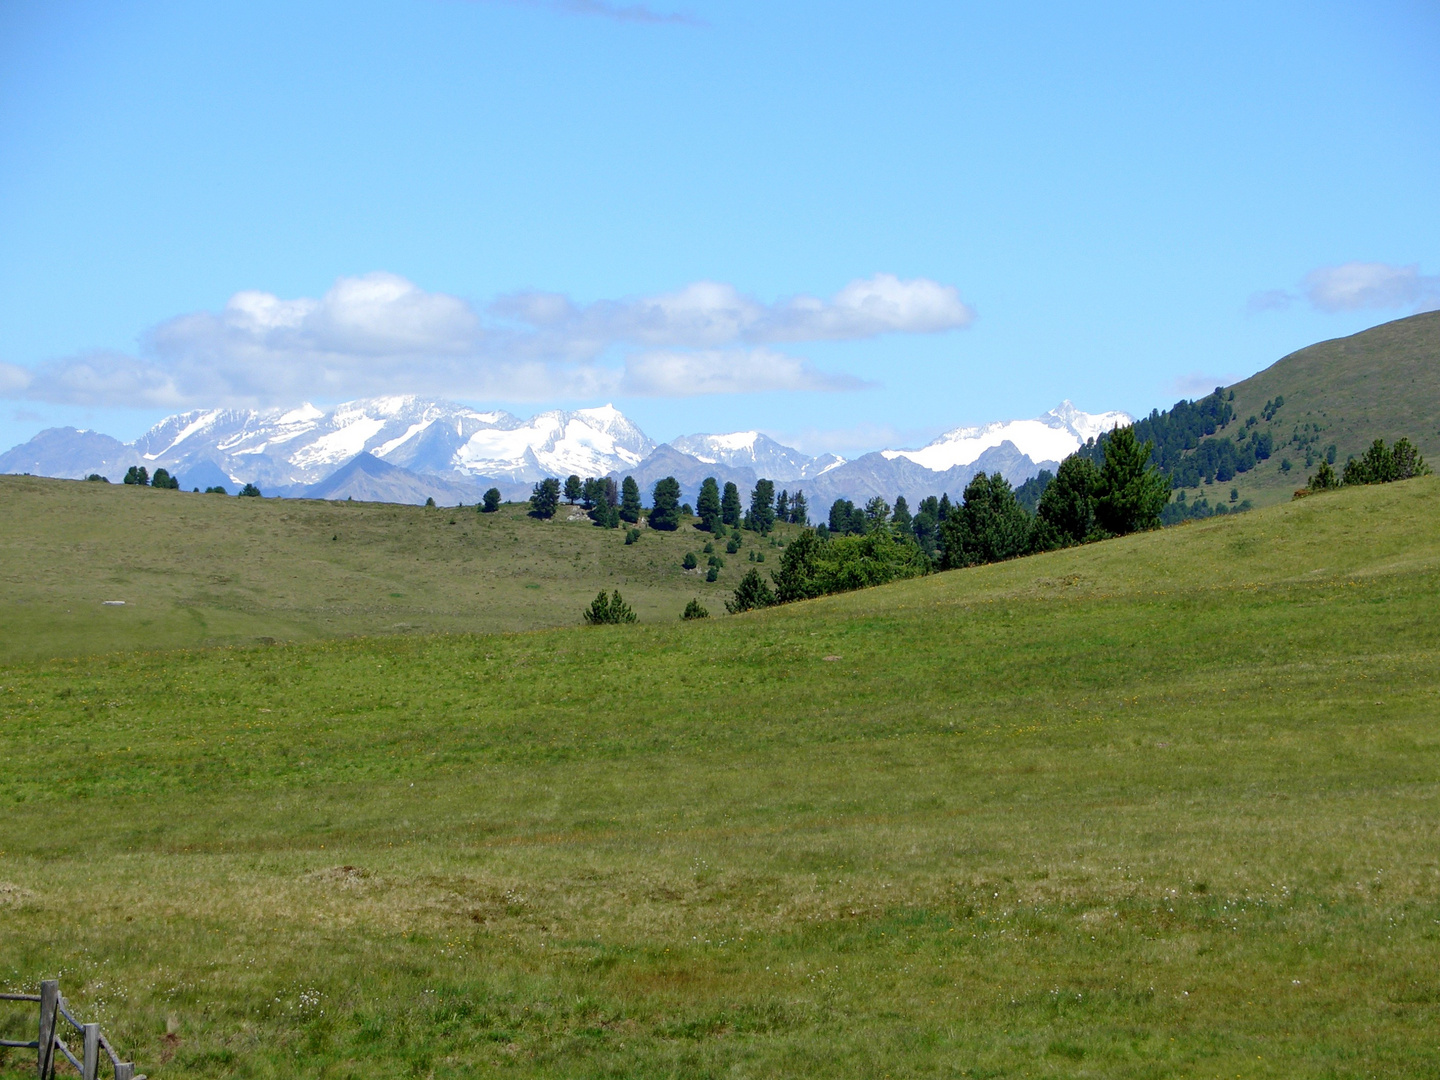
(709, 314)
(1357, 286)
(732, 371)
(380, 334)
(1199, 384)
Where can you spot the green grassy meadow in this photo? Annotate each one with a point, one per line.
(1163, 806)
(204, 570)
(1382, 383)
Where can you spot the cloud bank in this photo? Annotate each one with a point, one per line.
(380, 333)
(1358, 286)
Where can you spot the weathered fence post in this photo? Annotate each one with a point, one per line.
(91, 1061)
(49, 1000)
(125, 1071)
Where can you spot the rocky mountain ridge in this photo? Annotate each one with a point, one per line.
(452, 452)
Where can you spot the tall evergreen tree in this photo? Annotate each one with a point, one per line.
(137, 476)
(707, 504)
(877, 512)
(590, 492)
(900, 516)
(1066, 512)
(761, 516)
(573, 489)
(989, 526)
(545, 498)
(1131, 492)
(730, 505)
(799, 510)
(798, 576)
(925, 526)
(629, 500)
(751, 593)
(841, 511)
(492, 501)
(942, 509)
(782, 506)
(665, 505)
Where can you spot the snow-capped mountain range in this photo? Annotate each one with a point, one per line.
(448, 451)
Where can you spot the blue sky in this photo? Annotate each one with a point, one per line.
(848, 225)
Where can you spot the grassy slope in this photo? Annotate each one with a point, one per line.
(204, 570)
(1381, 383)
(1162, 806)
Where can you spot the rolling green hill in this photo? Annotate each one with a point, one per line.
(1161, 806)
(1382, 383)
(196, 570)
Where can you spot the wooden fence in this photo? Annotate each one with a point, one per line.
(53, 1011)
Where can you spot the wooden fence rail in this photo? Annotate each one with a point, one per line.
(53, 1010)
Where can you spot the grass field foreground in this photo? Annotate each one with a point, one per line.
(1161, 806)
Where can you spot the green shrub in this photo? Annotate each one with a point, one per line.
(632, 535)
(250, 491)
(695, 610)
(713, 574)
(611, 609)
(690, 562)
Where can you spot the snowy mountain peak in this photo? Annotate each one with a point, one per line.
(1051, 437)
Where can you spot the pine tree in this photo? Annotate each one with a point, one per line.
(751, 593)
(943, 508)
(841, 511)
(797, 578)
(761, 515)
(1324, 478)
(782, 506)
(545, 498)
(695, 610)
(250, 491)
(573, 489)
(900, 516)
(877, 512)
(137, 476)
(730, 505)
(707, 504)
(989, 526)
(492, 501)
(665, 505)
(690, 562)
(607, 609)
(1066, 512)
(1131, 491)
(629, 500)
(799, 510)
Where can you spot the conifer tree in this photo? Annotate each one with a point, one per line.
(761, 515)
(545, 498)
(492, 501)
(137, 476)
(751, 593)
(942, 509)
(573, 489)
(799, 510)
(730, 505)
(782, 506)
(707, 504)
(989, 526)
(665, 505)
(1066, 512)
(629, 500)
(877, 512)
(1131, 491)
(900, 516)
